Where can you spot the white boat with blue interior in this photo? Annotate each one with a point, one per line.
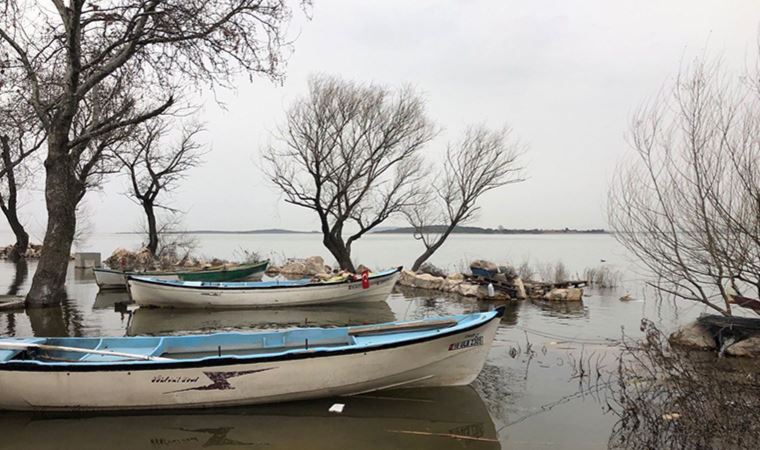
(229, 369)
(147, 291)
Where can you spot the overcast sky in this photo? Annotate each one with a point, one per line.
(564, 74)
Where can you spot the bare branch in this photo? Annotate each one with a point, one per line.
(349, 152)
(482, 161)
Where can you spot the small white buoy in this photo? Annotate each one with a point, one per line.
(491, 291)
(337, 408)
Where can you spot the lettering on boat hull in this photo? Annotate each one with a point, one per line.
(471, 340)
(219, 380)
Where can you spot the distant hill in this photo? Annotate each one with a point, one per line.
(400, 230)
(480, 230)
(264, 231)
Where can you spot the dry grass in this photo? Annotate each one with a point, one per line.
(603, 276)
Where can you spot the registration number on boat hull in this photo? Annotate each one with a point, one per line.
(474, 340)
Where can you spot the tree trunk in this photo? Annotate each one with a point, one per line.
(152, 228)
(432, 249)
(22, 237)
(340, 252)
(11, 208)
(62, 194)
(423, 257)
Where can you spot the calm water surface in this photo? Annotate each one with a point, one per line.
(529, 395)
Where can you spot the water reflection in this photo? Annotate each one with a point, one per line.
(567, 310)
(440, 419)
(434, 303)
(20, 273)
(510, 310)
(110, 299)
(152, 321)
(56, 321)
(84, 275)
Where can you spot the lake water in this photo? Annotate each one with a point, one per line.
(529, 395)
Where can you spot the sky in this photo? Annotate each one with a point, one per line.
(565, 75)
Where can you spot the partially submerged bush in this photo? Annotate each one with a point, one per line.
(680, 400)
(525, 271)
(552, 272)
(603, 276)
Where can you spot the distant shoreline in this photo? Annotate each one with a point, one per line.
(479, 230)
(401, 230)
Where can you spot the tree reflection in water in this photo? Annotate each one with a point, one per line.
(21, 271)
(678, 400)
(19, 277)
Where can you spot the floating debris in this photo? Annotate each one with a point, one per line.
(337, 408)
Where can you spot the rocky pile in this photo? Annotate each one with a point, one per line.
(504, 284)
(32, 252)
(454, 284)
(734, 336)
(123, 259)
(311, 266)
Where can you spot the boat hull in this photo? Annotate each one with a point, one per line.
(446, 359)
(113, 279)
(146, 293)
(116, 279)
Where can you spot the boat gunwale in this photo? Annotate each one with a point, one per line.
(228, 360)
(181, 285)
(182, 272)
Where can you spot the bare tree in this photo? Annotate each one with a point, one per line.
(688, 206)
(350, 153)
(80, 52)
(155, 168)
(20, 138)
(482, 161)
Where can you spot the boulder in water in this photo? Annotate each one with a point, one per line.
(693, 336)
(749, 347)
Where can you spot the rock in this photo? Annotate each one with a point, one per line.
(272, 269)
(314, 265)
(564, 295)
(309, 266)
(427, 281)
(432, 270)
(485, 265)
(455, 277)
(556, 295)
(749, 347)
(124, 259)
(407, 278)
(293, 267)
(520, 287)
(693, 336)
(508, 271)
(467, 290)
(574, 294)
(422, 281)
(450, 285)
